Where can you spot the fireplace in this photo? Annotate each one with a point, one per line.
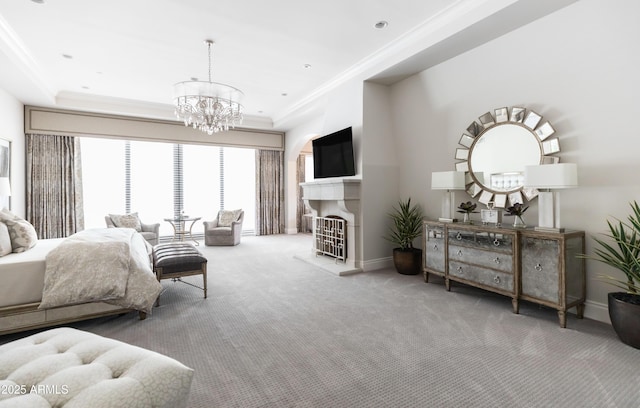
(330, 198)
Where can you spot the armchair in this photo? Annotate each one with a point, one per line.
(150, 232)
(226, 229)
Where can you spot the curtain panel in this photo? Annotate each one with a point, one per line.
(269, 192)
(54, 185)
(300, 178)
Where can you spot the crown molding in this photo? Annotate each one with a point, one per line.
(16, 52)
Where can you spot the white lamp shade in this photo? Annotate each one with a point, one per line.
(551, 176)
(447, 180)
(5, 187)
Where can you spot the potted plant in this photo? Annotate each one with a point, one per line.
(407, 226)
(466, 209)
(622, 251)
(517, 210)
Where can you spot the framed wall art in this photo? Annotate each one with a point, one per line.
(5, 172)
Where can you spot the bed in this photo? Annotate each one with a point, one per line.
(69, 279)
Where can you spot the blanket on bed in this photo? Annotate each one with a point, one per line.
(100, 265)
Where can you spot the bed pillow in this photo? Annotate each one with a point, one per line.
(22, 234)
(227, 217)
(127, 221)
(5, 240)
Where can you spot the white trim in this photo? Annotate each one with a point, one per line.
(375, 264)
(597, 311)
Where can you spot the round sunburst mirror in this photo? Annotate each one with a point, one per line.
(496, 148)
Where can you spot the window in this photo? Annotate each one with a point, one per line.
(160, 180)
(151, 183)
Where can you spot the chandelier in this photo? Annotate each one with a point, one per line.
(208, 106)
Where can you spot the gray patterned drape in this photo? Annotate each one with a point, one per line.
(300, 178)
(269, 192)
(54, 185)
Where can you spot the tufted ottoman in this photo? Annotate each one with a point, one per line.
(177, 259)
(72, 368)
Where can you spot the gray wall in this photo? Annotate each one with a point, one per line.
(577, 68)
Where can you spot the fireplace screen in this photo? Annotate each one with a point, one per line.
(331, 237)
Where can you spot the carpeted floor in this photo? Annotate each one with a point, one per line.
(277, 332)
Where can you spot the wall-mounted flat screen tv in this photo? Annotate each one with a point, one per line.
(333, 155)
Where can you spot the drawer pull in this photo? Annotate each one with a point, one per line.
(496, 242)
(435, 247)
(459, 252)
(496, 279)
(497, 260)
(459, 268)
(538, 267)
(459, 237)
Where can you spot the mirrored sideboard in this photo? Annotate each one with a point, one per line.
(521, 263)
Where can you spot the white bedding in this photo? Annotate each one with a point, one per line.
(22, 274)
(106, 264)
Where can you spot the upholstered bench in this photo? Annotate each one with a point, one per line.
(175, 260)
(66, 367)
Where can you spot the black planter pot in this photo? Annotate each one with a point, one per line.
(408, 262)
(624, 312)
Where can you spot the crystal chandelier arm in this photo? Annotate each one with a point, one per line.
(209, 44)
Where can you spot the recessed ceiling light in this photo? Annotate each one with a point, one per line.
(38, 1)
(67, 56)
(194, 79)
(85, 87)
(307, 66)
(381, 24)
(284, 94)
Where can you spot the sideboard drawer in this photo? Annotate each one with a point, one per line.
(483, 240)
(483, 276)
(495, 260)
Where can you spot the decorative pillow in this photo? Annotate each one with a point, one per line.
(5, 240)
(22, 234)
(127, 221)
(225, 218)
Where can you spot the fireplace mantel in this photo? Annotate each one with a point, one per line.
(332, 189)
(341, 197)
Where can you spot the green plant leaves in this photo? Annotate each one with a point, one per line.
(621, 250)
(407, 224)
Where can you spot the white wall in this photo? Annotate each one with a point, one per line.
(11, 128)
(339, 109)
(380, 188)
(577, 68)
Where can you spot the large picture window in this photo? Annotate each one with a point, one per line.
(159, 180)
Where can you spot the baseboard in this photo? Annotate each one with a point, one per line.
(597, 311)
(374, 264)
(291, 231)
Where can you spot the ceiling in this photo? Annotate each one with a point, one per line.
(125, 55)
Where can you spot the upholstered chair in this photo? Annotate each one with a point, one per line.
(150, 232)
(226, 229)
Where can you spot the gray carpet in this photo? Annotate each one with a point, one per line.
(277, 332)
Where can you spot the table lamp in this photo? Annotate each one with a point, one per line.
(450, 181)
(549, 177)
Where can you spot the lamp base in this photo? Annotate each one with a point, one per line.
(441, 219)
(548, 229)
